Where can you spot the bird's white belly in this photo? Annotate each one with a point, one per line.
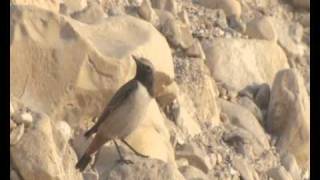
(121, 122)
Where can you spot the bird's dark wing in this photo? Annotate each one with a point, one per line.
(121, 95)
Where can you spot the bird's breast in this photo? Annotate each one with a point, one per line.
(127, 116)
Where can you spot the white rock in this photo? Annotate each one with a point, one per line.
(14, 175)
(240, 62)
(37, 156)
(99, 69)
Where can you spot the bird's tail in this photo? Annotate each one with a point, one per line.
(83, 162)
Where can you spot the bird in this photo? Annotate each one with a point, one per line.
(123, 113)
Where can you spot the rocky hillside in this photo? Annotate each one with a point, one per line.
(232, 87)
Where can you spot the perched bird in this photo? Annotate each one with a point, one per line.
(123, 113)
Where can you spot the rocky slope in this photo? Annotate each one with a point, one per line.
(232, 87)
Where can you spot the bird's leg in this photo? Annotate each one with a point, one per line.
(121, 160)
(132, 149)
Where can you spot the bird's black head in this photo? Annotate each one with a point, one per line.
(145, 73)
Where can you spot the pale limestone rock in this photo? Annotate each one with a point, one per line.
(261, 28)
(14, 175)
(285, 32)
(52, 5)
(196, 156)
(252, 107)
(196, 50)
(192, 173)
(289, 115)
(245, 169)
(230, 7)
(243, 118)
(184, 17)
(93, 13)
(147, 13)
(72, 83)
(194, 80)
(279, 173)
(289, 162)
(176, 32)
(16, 134)
(75, 5)
(241, 62)
(38, 156)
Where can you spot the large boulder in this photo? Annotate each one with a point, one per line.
(43, 153)
(72, 69)
(241, 62)
(289, 115)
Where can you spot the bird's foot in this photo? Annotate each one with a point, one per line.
(124, 161)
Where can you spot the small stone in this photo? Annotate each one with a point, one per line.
(16, 134)
(196, 51)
